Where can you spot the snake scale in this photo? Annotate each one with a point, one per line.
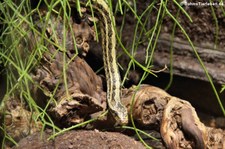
(118, 110)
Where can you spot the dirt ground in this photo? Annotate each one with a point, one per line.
(201, 31)
(81, 139)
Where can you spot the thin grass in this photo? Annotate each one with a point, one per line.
(77, 125)
(15, 16)
(222, 89)
(142, 132)
(6, 137)
(15, 20)
(199, 59)
(148, 60)
(216, 26)
(171, 53)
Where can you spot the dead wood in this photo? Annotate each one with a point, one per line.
(83, 95)
(185, 62)
(18, 121)
(80, 97)
(176, 119)
(153, 108)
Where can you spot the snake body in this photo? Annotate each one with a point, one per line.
(108, 37)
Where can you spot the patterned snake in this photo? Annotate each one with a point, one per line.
(118, 110)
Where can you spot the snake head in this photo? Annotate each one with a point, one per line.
(120, 115)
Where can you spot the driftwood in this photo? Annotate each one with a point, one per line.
(82, 97)
(176, 119)
(153, 108)
(18, 120)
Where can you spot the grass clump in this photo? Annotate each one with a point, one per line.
(20, 54)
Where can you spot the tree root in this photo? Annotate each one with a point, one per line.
(176, 119)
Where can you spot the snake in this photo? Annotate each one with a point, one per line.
(113, 81)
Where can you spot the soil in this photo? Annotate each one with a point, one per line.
(80, 139)
(201, 32)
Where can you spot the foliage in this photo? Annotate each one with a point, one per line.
(17, 24)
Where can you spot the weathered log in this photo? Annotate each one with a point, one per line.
(83, 95)
(80, 96)
(185, 62)
(176, 119)
(17, 121)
